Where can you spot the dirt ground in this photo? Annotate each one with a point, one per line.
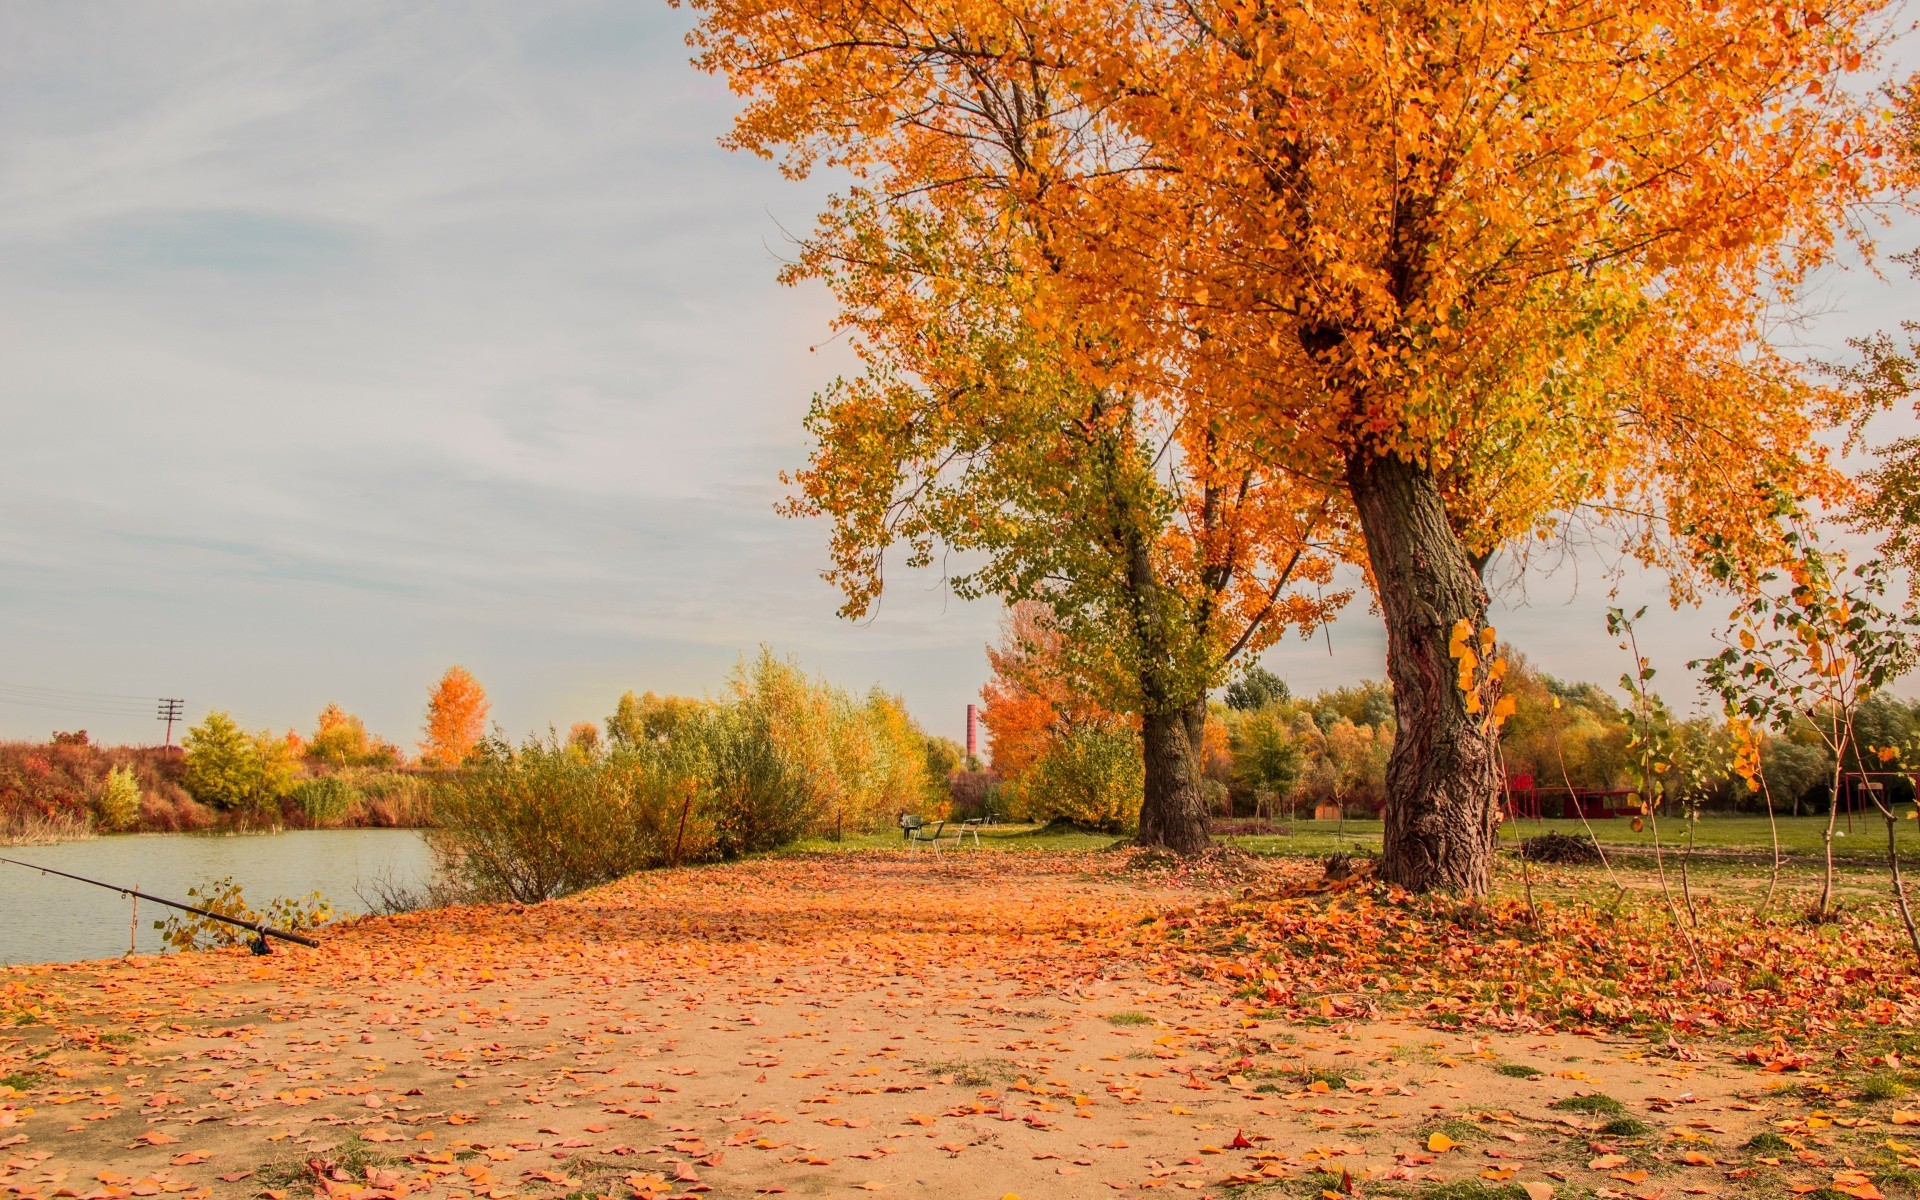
(958, 1025)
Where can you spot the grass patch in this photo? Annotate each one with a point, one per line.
(19, 1081)
(1457, 1129)
(1517, 1070)
(1769, 1143)
(1471, 1189)
(1129, 1018)
(974, 1072)
(1593, 1104)
(352, 1156)
(1625, 1127)
(1883, 1087)
(1333, 1077)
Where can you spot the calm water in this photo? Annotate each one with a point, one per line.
(44, 918)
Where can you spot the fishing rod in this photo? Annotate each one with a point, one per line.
(260, 932)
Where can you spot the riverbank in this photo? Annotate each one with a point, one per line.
(51, 919)
(70, 789)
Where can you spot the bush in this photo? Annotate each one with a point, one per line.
(1093, 777)
(325, 800)
(50, 791)
(544, 820)
(117, 805)
(784, 757)
(192, 931)
(236, 772)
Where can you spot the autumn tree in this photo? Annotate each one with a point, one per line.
(341, 738)
(1474, 271)
(1162, 549)
(1033, 695)
(456, 719)
(229, 769)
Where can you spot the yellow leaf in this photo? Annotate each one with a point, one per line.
(1502, 709)
(1440, 1143)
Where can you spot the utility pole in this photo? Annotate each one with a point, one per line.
(170, 711)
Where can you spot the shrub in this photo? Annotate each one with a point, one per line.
(783, 757)
(192, 931)
(1092, 777)
(542, 821)
(233, 771)
(117, 805)
(325, 800)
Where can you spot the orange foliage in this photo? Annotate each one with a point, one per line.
(456, 718)
(1034, 694)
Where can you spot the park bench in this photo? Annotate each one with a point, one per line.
(917, 832)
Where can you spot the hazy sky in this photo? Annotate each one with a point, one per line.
(344, 341)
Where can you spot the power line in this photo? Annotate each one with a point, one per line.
(89, 704)
(83, 710)
(70, 693)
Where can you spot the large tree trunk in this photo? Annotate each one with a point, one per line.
(1443, 780)
(1173, 815)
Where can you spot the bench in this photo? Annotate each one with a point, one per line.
(919, 833)
(916, 831)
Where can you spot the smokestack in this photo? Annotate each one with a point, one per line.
(973, 737)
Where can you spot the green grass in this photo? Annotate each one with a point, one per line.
(1883, 1087)
(1593, 1103)
(19, 1081)
(1471, 1189)
(1769, 1143)
(1799, 836)
(1517, 1070)
(975, 1072)
(1626, 1127)
(1736, 835)
(1129, 1018)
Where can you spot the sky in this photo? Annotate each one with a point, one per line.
(346, 341)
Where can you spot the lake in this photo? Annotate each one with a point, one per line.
(44, 918)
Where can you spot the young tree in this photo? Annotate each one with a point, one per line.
(1812, 646)
(456, 719)
(1469, 270)
(229, 769)
(1034, 694)
(1267, 758)
(339, 737)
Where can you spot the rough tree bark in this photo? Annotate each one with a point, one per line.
(1173, 809)
(1173, 813)
(1443, 781)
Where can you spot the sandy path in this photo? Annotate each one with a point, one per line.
(869, 1023)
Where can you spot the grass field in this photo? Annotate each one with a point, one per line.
(1713, 835)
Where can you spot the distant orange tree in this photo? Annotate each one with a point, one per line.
(1470, 271)
(456, 719)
